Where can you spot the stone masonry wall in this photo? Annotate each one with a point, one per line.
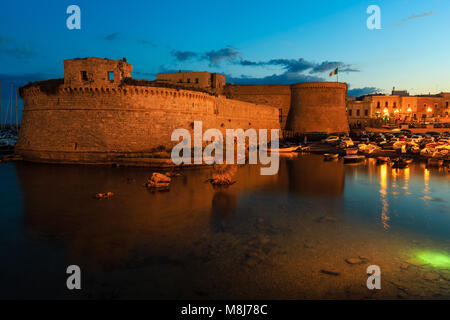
(277, 96)
(95, 124)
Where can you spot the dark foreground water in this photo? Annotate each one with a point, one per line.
(263, 237)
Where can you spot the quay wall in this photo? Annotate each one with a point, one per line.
(95, 124)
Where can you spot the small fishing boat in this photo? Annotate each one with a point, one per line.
(285, 149)
(351, 151)
(330, 156)
(399, 163)
(354, 158)
(382, 160)
(408, 160)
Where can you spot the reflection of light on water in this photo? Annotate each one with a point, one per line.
(436, 259)
(407, 173)
(426, 180)
(383, 193)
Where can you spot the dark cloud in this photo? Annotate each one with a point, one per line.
(19, 50)
(284, 78)
(216, 56)
(357, 92)
(147, 43)
(183, 55)
(415, 16)
(112, 36)
(300, 65)
(326, 66)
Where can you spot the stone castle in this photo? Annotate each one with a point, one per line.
(98, 113)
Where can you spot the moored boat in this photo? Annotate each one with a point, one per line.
(351, 151)
(353, 158)
(381, 160)
(330, 156)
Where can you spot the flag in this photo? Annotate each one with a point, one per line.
(335, 71)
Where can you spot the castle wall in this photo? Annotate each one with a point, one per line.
(277, 96)
(318, 107)
(93, 124)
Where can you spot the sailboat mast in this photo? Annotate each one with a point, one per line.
(1, 109)
(17, 118)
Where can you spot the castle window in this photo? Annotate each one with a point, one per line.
(357, 112)
(84, 76)
(395, 104)
(111, 76)
(386, 104)
(350, 113)
(196, 80)
(378, 105)
(446, 104)
(180, 81)
(366, 112)
(188, 80)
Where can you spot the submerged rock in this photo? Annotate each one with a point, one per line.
(330, 272)
(431, 276)
(355, 261)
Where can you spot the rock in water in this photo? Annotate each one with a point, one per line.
(431, 276)
(354, 261)
(158, 181)
(330, 272)
(159, 177)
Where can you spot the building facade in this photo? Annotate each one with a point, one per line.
(398, 108)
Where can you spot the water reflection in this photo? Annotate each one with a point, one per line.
(308, 204)
(383, 192)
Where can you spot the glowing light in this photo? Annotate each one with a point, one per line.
(429, 109)
(436, 259)
(409, 110)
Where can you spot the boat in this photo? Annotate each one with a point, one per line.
(381, 160)
(330, 156)
(351, 151)
(353, 158)
(400, 163)
(285, 149)
(408, 160)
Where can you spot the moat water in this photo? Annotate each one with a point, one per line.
(263, 237)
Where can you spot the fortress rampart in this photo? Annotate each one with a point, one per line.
(97, 113)
(318, 107)
(277, 96)
(93, 124)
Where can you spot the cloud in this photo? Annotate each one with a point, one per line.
(415, 16)
(18, 50)
(112, 36)
(183, 55)
(216, 56)
(147, 43)
(357, 92)
(300, 65)
(284, 78)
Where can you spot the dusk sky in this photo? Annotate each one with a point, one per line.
(248, 41)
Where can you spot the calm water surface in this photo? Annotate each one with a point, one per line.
(263, 237)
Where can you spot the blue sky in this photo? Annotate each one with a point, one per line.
(249, 41)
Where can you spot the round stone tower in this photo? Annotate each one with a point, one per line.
(318, 107)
